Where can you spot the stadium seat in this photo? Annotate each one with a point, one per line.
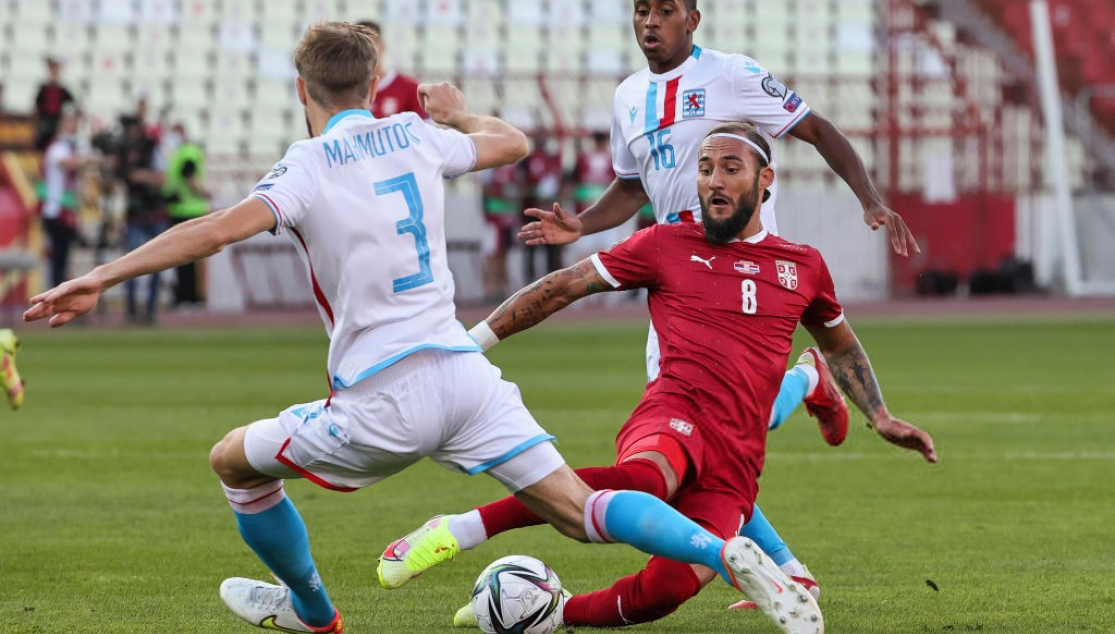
(113, 38)
(158, 12)
(524, 46)
(525, 14)
(402, 13)
(440, 49)
(564, 14)
(71, 40)
(617, 14)
(117, 13)
(481, 60)
(278, 12)
(480, 94)
(443, 13)
(278, 33)
(29, 43)
(32, 15)
(603, 62)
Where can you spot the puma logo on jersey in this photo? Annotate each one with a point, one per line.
(697, 258)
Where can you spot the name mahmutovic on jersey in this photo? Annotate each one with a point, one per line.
(371, 144)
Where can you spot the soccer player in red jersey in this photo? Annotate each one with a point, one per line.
(725, 297)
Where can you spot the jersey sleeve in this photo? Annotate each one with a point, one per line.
(824, 311)
(289, 188)
(630, 263)
(457, 149)
(764, 100)
(624, 163)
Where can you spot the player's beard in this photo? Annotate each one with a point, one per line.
(724, 231)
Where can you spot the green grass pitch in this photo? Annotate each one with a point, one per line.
(110, 520)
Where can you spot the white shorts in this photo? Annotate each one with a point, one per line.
(452, 407)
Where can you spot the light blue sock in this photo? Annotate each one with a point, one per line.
(278, 536)
(794, 385)
(649, 524)
(759, 530)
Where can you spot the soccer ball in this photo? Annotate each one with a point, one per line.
(518, 595)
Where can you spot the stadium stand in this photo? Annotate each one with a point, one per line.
(928, 103)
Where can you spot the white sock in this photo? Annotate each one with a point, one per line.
(469, 529)
(257, 500)
(793, 568)
(811, 374)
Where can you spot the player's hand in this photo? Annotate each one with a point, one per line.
(552, 227)
(903, 434)
(901, 238)
(443, 102)
(65, 302)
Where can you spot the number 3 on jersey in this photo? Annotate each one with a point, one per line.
(661, 151)
(412, 224)
(750, 300)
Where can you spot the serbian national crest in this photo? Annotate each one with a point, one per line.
(787, 273)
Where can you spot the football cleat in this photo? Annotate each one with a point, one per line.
(806, 580)
(407, 558)
(465, 617)
(792, 608)
(9, 376)
(826, 403)
(268, 606)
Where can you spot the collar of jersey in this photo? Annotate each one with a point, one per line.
(755, 239)
(677, 72)
(354, 112)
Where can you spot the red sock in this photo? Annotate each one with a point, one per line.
(632, 475)
(656, 591)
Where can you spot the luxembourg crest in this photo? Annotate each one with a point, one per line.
(693, 103)
(787, 273)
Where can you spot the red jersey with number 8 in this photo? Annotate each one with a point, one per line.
(725, 317)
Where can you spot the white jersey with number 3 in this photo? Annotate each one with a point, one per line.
(364, 205)
(659, 121)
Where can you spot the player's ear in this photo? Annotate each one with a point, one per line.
(694, 19)
(373, 87)
(300, 88)
(766, 178)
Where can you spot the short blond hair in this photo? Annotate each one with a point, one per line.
(337, 60)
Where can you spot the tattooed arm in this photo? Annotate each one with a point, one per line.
(538, 301)
(852, 370)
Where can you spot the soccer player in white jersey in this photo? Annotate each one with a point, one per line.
(363, 201)
(659, 117)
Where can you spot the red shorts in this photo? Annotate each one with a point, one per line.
(715, 489)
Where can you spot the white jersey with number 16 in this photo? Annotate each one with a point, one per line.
(659, 121)
(364, 205)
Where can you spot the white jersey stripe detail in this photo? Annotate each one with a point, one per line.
(595, 257)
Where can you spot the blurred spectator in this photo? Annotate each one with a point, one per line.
(543, 184)
(397, 92)
(186, 198)
(145, 216)
(503, 202)
(61, 171)
(49, 103)
(592, 174)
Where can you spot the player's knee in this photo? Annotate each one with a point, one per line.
(225, 457)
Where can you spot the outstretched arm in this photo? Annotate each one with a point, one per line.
(538, 301)
(187, 242)
(622, 199)
(497, 142)
(843, 159)
(852, 370)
